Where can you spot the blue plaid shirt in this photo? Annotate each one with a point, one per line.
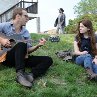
(8, 29)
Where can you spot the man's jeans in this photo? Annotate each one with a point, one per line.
(86, 61)
(60, 30)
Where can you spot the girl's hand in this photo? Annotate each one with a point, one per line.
(84, 52)
(95, 60)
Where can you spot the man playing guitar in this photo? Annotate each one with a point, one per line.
(16, 56)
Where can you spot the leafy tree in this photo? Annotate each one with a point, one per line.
(86, 7)
(71, 27)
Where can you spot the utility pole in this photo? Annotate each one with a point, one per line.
(38, 24)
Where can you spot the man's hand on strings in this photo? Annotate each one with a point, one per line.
(6, 43)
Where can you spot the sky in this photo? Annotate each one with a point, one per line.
(48, 12)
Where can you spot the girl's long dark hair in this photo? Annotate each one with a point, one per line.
(88, 24)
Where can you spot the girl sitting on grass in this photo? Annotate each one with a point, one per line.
(85, 48)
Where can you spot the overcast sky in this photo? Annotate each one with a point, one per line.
(48, 11)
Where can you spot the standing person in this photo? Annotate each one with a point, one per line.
(16, 56)
(60, 22)
(85, 47)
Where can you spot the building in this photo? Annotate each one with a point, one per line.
(7, 3)
(7, 6)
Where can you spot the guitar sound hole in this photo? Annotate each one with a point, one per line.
(13, 42)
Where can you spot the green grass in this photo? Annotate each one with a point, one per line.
(61, 80)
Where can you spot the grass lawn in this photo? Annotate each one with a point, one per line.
(61, 80)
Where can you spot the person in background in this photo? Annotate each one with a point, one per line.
(85, 45)
(16, 56)
(60, 22)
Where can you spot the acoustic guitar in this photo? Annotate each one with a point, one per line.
(14, 39)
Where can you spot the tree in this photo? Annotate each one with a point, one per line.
(72, 25)
(86, 7)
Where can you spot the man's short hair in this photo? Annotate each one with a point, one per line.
(17, 11)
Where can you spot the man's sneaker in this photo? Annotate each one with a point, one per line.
(29, 77)
(22, 80)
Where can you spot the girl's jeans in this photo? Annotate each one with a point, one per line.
(86, 61)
